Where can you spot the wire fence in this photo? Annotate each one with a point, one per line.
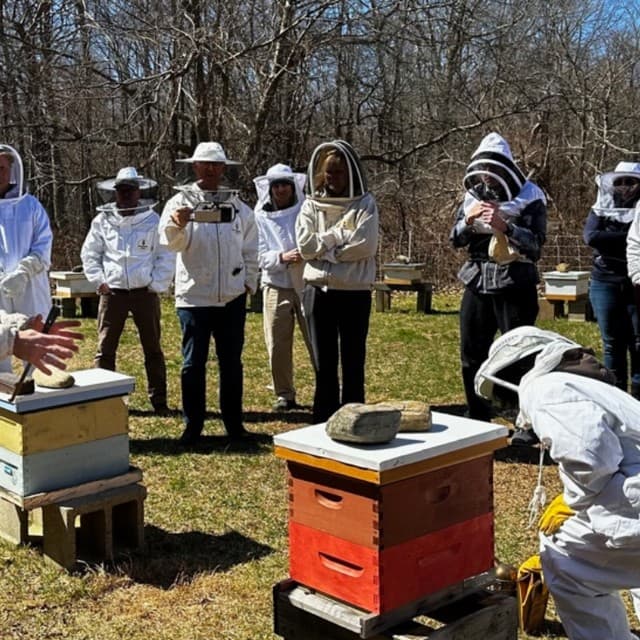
(442, 261)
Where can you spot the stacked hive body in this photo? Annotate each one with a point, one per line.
(381, 527)
(64, 459)
(57, 438)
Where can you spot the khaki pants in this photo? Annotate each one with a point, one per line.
(280, 312)
(144, 306)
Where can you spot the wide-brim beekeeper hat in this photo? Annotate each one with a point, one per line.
(209, 152)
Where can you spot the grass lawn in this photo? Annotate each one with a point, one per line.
(215, 521)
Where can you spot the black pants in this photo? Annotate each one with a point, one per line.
(341, 324)
(481, 316)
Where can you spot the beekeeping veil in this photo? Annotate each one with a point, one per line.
(511, 359)
(17, 188)
(357, 179)
(492, 174)
(279, 173)
(618, 192)
(204, 152)
(127, 175)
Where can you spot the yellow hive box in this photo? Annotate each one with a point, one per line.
(59, 427)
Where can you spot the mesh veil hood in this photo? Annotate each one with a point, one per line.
(608, 203)
(511, 347)
(493, 159)
(17, 190)
(357, 178)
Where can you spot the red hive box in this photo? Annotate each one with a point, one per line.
(380, 527)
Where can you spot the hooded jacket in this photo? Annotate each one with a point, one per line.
(25, 245)
(593, 431)
(607, 226)
(215, 262)
(276, 229)
(524, 211)
(338, 237)
(125, 251)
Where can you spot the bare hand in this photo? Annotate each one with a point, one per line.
(474, 213)
(44, 350)
(181, 216)
(491, 215)
(104, 289)
(293, 255)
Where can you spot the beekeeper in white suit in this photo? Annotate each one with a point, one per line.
(280, 195)
(25, 244)
(592, 430)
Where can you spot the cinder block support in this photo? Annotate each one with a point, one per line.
(108, 518)
(14, 525)
(59, 535)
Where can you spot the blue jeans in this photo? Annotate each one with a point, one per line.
(226, 325)
(615, 310)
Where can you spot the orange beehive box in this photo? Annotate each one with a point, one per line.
(382, 526)
(382, 580)
(376, 516)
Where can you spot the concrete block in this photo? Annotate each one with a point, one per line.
(13, 523)
(93, 526)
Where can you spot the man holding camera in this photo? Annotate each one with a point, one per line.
(215, 237)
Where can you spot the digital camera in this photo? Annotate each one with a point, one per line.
(213, 212)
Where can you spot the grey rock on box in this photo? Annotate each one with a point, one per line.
(364, 423)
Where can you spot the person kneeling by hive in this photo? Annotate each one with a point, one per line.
(592, 430)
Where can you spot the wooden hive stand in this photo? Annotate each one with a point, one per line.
(454, 614)
(422, 288)
(88, 521)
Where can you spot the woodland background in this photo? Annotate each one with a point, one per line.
(87, 86)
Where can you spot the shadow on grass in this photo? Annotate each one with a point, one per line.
(176, 558)
(451, 409)
(528, 455)
(300, 415)
(258, 443)
(303, 415)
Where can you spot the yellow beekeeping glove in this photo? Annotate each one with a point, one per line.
(554, 515)
(532, 595)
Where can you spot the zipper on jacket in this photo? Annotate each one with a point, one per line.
(219, 264)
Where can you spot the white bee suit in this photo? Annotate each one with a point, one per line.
(593, 430)
(25, 250)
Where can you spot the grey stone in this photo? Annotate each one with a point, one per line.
(364, 423)
(57, 379)
(415, 415)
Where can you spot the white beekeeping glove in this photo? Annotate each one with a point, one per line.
(14, 283)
